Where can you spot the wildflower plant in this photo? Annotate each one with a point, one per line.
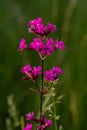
(12, 122)
(44, 47)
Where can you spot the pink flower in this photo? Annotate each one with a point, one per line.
(50, 28)
(57, 70)
(60, 45)
(36, 70)
(22, 45)
(50, 46)
(51, 75)
(26, 68)
(37, 27)
(48, 123)
(30, 116)
(28, 127)
(43, 49)
(31, 73)
(37, 44)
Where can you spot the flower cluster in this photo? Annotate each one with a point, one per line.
(47, 48)
(31, 73)
(37, 27)
(51, 75)
(39, 46)
(44, 122)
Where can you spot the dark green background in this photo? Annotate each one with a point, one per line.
(70, 17)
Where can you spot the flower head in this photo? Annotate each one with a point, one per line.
(22, 45)
(60, 45)
(30, 116)
(26, 68)
(37, 44)
(31, 73)
(28, 127)
(36, 70)
(51, 75)
(50, 46)
(37, 27)
(50, 28)
(45, 49)
(48, 123)
(42, 48)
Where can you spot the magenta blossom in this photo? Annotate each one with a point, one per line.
(31, 73)
(60, 45)
(53, 74)
(28, 127)
(26, 68)
(36, 70)
(37, 27)
(30, 116)
(50, 28)
(48, 123)
(22, 45)
(36, 45)
(43, 49)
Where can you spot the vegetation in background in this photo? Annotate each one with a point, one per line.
(71, 18)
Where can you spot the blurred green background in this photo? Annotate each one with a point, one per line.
(70, 17)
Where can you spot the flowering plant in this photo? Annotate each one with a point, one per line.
(44, 47)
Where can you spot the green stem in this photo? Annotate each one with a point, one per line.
(55, 113)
